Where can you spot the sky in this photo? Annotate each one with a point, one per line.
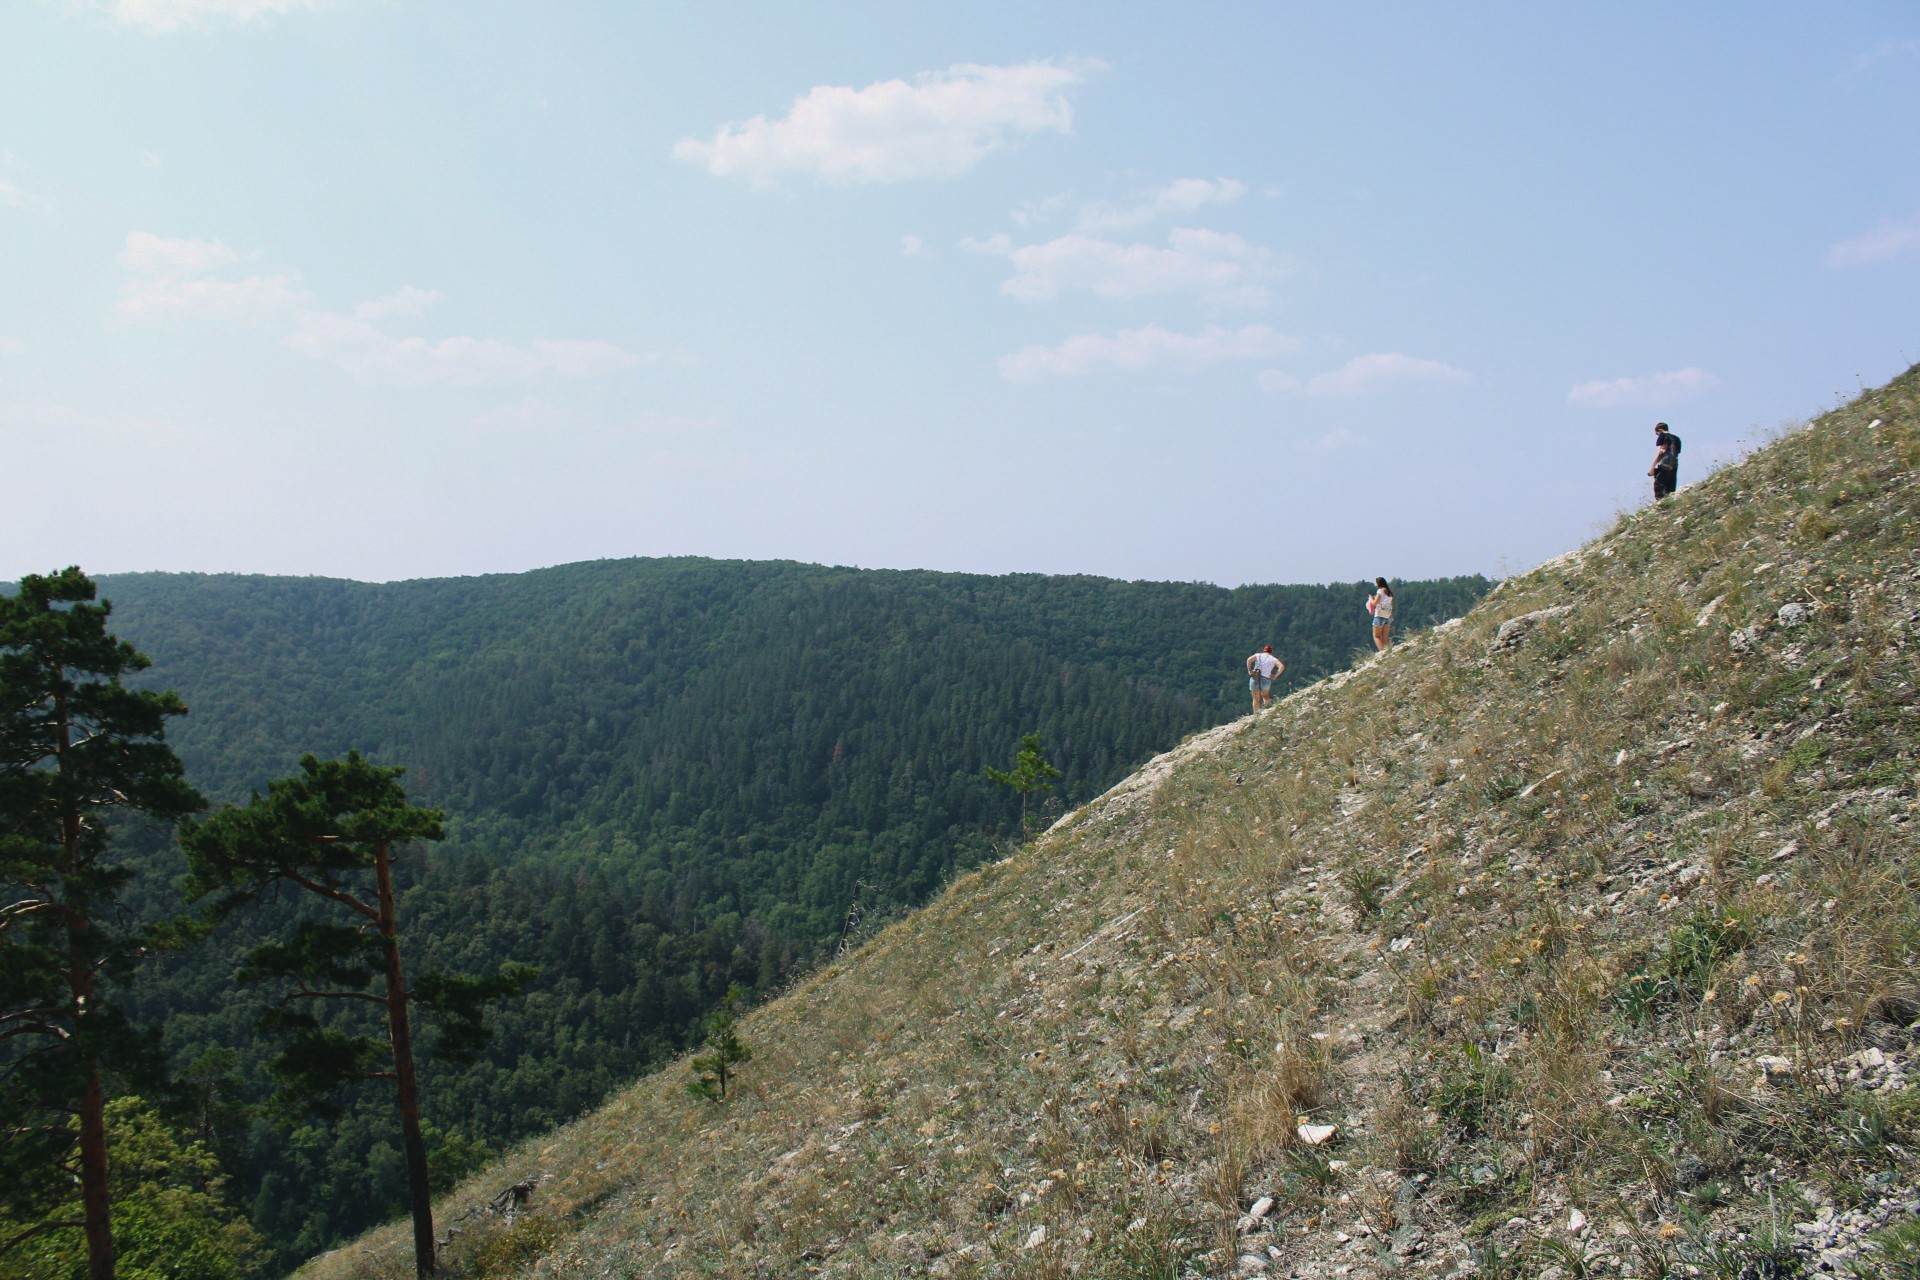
(1258, 292)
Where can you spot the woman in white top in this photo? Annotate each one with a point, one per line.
(1380, 605)
(1262, 669)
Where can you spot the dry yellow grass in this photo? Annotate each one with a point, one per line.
(1518, 923)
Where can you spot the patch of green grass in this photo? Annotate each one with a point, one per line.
(1695, 948)
(1640, 995)
(1700, 943)
(1896, 1254)
(1307, 1173)
(1632, 804)
(1806, 753)
(1470, 1092)
(1887, 773)
(1765, 1255)
(1502, 787)
(1365, 885)
(511, 1251)
(1162, 1247)
(1491, 1262)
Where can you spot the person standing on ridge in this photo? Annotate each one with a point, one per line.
(1262, 667)
(1666, 461)
(1380, 605)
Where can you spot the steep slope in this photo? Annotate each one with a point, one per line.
(663, 778)
(1582, 932)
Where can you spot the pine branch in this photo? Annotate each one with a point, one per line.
(328, 891)
(23, 908)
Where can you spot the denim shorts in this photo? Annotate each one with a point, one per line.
(1379, 623)
(1258, 685)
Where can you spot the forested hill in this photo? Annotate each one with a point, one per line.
(661, 777)
(708, 728)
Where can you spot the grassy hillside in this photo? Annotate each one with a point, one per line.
(663, 778)
(1591, 936)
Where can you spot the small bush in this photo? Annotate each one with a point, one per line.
(1816, 525)
(512, 1251)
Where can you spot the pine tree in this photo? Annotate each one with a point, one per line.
(76, 748)
(1031, 772)
(724, 1051)
(333, 831)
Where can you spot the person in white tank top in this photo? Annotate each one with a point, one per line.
(1380, 605)
(1262, 667)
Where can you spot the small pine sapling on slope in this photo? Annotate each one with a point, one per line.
(724, 1051)
(333, 831)
(1031, 772)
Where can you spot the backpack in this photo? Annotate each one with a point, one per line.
(1670, 460)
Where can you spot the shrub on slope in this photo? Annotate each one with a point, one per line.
(1593, 943)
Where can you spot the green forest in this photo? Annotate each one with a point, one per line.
(661, 779)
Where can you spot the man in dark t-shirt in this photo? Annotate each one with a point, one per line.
(1666, 461)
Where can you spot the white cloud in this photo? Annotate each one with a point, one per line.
(1135, 349)
(175, 277)
(179, 278)
(1882, 51)
(151, 159)
(11, 346)
(173, 15)
(15, 196)
(1888, 242)
(1340, 438)
(911, 247)
(1651, 392)
(371, 355)
(1368, 373)
(405, 301)
(1183, 195)
(1032, 211)
(668, 424)
(528, 414)
(43, 420)
(532, 414)
(250, 300)
(937, 126)
(1214, 266)
(152, 255)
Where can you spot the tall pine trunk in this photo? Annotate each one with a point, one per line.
(95, 1195)
(400, 1035)
(93, 1179)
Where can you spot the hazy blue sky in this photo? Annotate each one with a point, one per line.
(1239, 292)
